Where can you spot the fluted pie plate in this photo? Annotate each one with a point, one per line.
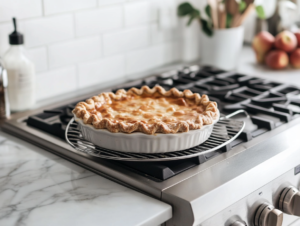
(147, 120)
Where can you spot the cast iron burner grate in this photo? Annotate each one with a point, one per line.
(269, 104)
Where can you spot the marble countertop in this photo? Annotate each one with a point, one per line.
(39, 188)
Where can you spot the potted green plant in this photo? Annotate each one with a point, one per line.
(221, 25)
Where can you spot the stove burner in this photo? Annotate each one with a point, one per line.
(53, 121)
(269, 104)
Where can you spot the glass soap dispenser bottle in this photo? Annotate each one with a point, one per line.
(20, 73)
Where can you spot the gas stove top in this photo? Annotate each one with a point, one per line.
(272, 107)
(267, 102)
(270, 104)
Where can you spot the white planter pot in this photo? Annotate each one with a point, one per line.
(222, 50)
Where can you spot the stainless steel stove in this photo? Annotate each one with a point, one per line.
(247, 182)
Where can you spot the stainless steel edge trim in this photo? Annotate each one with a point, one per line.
(238, 175)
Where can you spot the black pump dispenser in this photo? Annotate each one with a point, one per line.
(16, 38)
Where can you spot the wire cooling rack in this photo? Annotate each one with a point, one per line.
(224, 132)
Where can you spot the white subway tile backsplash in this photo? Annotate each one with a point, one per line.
(59, 6)
(139, 61)
(56, 82)
(126, 40)
(47, 30)
(139, 12)
(159, 35)
(145, 59)
(102, 70)
(167, 14)
(174, 50)
(80, 43)
(106, 2)
(95, 21)
(19, 8)
(65, 53)
(5, 30)
(39, 58)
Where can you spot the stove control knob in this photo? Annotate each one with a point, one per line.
(267, 215)
(289, 201)
(239, 223)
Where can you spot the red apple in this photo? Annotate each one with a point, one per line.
(261, 44)
(277, 59)
(297, 34)
(295, 58)
(286, 41)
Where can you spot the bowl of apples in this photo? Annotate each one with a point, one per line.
(277, 52)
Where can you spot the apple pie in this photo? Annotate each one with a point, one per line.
(148, 111)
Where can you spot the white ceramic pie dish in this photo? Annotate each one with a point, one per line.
(142, 143)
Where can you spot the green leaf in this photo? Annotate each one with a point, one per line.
(207, 27)
(260, 12)
(229, 18)
(207, 11)
(190, 20)
(194, 15)
(185, 9)
(242, 6)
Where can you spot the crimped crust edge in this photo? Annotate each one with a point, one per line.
(210, 114)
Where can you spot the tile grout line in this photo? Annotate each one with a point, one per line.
(43, 8)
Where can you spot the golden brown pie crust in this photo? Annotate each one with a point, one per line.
(148, 111)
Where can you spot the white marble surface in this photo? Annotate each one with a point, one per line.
(247, 65)
(38, 188)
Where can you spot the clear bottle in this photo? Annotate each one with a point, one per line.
(20, 73)
(4, 103)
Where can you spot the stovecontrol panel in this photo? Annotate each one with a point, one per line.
(289, 201)
(275, 204)
(267, 215)
(297, 170)
(238, 223)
